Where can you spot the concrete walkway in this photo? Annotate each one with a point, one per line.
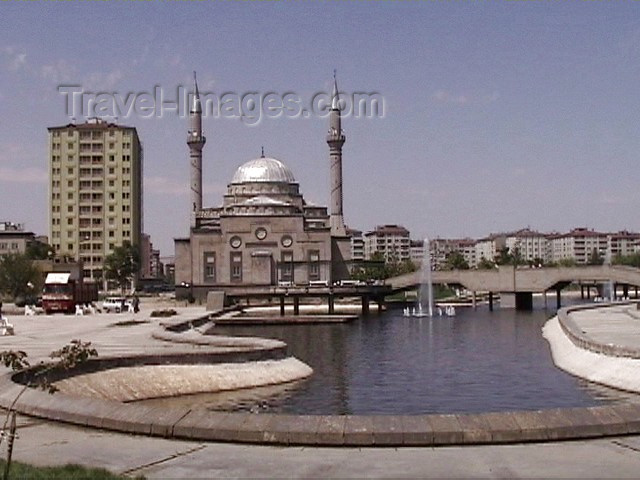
(600, 344)
(45, 443)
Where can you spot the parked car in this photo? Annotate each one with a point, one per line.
(115, 304)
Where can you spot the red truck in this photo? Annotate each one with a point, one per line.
(62, 293)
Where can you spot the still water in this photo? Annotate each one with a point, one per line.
(477, 361)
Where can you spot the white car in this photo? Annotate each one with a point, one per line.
(115, 304)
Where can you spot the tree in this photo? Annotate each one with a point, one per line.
(503, 257)
(122, 265)
(18, 276)
(39, 251)
(632, 260)
(68, 357)
(456, 261)
(485, 264)
(567, 262)
(595, 258)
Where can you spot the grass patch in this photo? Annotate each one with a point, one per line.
(68, 472)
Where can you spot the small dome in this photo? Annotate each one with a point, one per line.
(263, 169)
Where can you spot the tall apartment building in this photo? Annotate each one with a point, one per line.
(95, 191)
(392, 241)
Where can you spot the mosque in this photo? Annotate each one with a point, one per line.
(264, 233)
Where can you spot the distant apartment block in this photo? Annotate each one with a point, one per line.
(392, 241)
(14, 239)
(530, 244)
(416, 252)
(357, 245)
(95, 191)
(441, 248)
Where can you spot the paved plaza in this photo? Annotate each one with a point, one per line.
(43, 442)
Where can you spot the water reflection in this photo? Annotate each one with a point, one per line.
(477, 361)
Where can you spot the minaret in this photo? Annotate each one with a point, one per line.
(195, 141)
(335, 139)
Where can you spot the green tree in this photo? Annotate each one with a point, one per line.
(632, 260)
(595, 258)
(485, 264)
(567, 262)
(503, 257)
(122, 265)
(455, 261)
(18, 276)
(39, 251)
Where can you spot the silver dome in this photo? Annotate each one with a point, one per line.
(263, 169)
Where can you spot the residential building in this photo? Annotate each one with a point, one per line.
(14, 238)
(95, 191)
(530, 244)
(579, 245)
(392, 241)
(416, 252)
(489, 247)
(441, 248)
(357, 245)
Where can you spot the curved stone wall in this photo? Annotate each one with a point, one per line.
(384, 430)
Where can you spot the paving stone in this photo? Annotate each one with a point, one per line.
(585, 423)
(387, 430)
(293, 429)
(163, 419)
(532, 426)
(330, 430)
(611, 422)
(446, 429)
(502, 426)
(358, 430)
(195, 424)
(416, 430)
(630, 413)
(559, 425)
(474, 428)
(253, 428)
(129, 418)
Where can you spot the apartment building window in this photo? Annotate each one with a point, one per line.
(70, 195)
(314, 265)
(112, 234)
(126, 233)
(69, 221)
(209, 267)
(111, 208)
(236, 267)
(70, 171)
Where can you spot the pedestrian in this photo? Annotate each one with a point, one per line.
(136, 304)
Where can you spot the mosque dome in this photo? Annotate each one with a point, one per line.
(263, 169)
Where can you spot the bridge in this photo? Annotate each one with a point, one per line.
(516, 285)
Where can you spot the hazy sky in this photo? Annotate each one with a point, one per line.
(499, 115)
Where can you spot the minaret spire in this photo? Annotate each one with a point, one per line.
(336, 139)
(195, 141)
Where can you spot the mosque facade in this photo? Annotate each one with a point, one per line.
(264, 233)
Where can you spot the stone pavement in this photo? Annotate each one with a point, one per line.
(45, 443)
